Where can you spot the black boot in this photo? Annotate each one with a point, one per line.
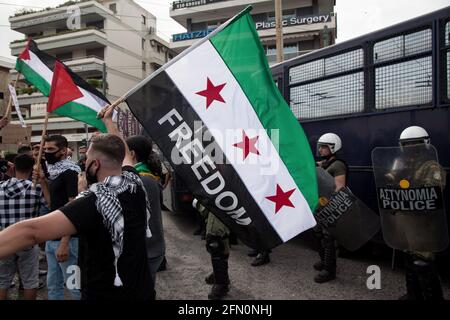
(253, 253)
(429, 280)
(261, 259)
(163, 265)
(222, 282)
(413, 291)
(320, 265)
(233, 239)
(210, 279)
(329, 266)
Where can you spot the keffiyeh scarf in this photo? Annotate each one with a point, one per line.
(108, 205)
(56, 169)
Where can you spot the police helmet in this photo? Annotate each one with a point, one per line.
(414, 135)
(332, 141)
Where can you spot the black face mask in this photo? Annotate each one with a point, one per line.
(91, 178)
(51, 157)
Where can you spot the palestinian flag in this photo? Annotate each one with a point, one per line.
(37, 67)
(219, 118)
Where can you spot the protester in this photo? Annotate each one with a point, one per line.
(82, 151)
(140, 150)
(17, 193)
(63, 180)
(25, 150)
(3, 123)
(69, 154)
(111, 220)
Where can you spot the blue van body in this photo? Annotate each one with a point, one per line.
(374, 126)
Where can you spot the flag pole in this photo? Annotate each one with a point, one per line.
(41, 147)
(113, 105)
(9, 107)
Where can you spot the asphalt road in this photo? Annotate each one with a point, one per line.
(289, 276)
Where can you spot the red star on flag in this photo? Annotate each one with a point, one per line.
(212, 93)
(281, 199)
(247, 145)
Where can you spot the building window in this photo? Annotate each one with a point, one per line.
(287, 14)
(288, 48)
(198, 26)
(97, 52)
(144, 20)
(144, 66)
(307, 11)
(96, 24)
(113, 7)
(64, 56)
(143, 44)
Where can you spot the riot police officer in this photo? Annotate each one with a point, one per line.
(422, 279)
(327, 147)
(217, 244)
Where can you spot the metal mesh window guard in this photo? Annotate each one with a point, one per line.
(324, 67)
(447, 34)
(338, 96)
(447, 44)
(404, 84)
(403, 46)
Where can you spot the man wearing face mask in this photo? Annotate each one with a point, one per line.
(63, 181)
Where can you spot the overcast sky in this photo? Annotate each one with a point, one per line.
(355, 17)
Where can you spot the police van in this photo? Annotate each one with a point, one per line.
(369, 89)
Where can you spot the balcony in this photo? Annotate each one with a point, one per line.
(86, 66)
(29, 22)
(184, 4)
(88, 38)
(212, 10)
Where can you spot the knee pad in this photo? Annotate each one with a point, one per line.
(215, 245)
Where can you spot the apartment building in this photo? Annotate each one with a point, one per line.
(307, 24)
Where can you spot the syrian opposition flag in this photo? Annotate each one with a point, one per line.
(37, 67)
(219, 118)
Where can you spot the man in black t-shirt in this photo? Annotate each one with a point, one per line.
(61, 254)
(113, 257)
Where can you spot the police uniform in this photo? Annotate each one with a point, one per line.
(422, 279)
(327, 244)
(217, 244)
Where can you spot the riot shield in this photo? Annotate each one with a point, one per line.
(410, 185)
(346, 217)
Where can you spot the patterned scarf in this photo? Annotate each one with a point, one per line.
(108, 205)
(144, 171)
(61, 166)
